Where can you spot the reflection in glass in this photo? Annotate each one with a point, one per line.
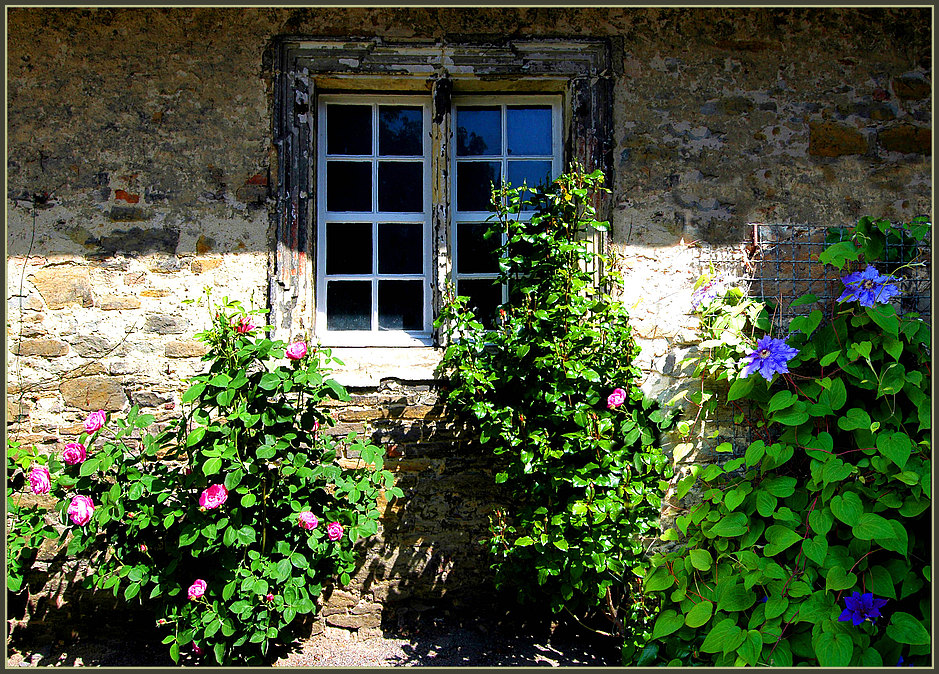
(349, 305)
(533, 173)
(349, 129)
(485, 297)
(349, 248)
(476, 255)
(529, 129)
(473, 188)
(400, 187)
(400, 130)
(478, 131)
(400, 305)
(348, 186)
(400, 248)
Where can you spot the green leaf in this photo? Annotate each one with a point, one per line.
(837, 254)
(659, 580)
(782, 486)
(561, 544)
(734, 524)
(781, 400)
(855, 418)
(740, 388)
(667, 622)
(885, 316)
(835, 470)
(765, 503)
(524, 541)
(779, 538)
(881, 583)
(751, 647)
(212, 466)
(905, 629)
(896, 447)
(701, 559)
(725, 636)
(837, 579)
(88, 466)
(775, 606)
(816, 549)
(870, 526)
(699, 614)
(754, 453)
(847, 508)
(833, 650)
(821, 520)
(269, 381)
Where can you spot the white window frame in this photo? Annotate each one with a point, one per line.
(375, 336)
(482, 217)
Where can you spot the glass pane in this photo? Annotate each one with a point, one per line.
(485, 297)
(534, 173)
(478, 131)
(473, 189)
(400, 130)
(349, 129)
(476, 255)
(348, 186)
(400, 248)
(400, 305)
(349, 305)
(349, 248)
(400, 187)
(529, 129)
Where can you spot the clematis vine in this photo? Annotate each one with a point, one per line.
(868, 287)
(770, 356)
(861, 607)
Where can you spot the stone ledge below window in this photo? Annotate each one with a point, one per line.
(366, 367)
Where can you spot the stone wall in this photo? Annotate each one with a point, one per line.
(141, 168)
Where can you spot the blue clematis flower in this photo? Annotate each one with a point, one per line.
(771, 355)
(861, 607)
(868, 287)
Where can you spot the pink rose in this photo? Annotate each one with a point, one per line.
(39, 480)
(195, 649)
(73, 453)
(296, 351)
(316, 426)
(308, 520)
(95, 421)
(615, 399)
(80, 510)
(244, 325)
(334, 531)
(213, 497)
(269, 597)
(197, 589)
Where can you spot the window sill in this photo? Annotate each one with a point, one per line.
(363, 367)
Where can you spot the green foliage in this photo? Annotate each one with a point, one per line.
(831, 499)
(249, 431)
(584, 476)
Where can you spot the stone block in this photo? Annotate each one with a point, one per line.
(828, 139)
(62, 286)
(150, 398)
(93, 393)
(92, 346)
(118, 302)
(185, 348)
(48, 348)
(154, 292)
(201, 266)
(354, 621)
(165, 324)
(907, 139)
(911, 88)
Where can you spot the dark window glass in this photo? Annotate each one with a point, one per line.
(349, 248)
(478, 131)
(528, 130)
(473, 188)
(400, 248)
(485, 297)
(400, 305)
(400, 130)
(400, 187)
(475, 254)
(349, 129)
(348, 186)
(533, 173)
(349, 305)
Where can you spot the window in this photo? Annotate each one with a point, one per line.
(374, 282)
(518, 138)
(385, 154)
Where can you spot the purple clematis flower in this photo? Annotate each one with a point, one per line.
(868, 287)
(771, 355)
(861, 607)
(707, 292)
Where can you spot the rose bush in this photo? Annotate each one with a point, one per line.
(200, 518)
